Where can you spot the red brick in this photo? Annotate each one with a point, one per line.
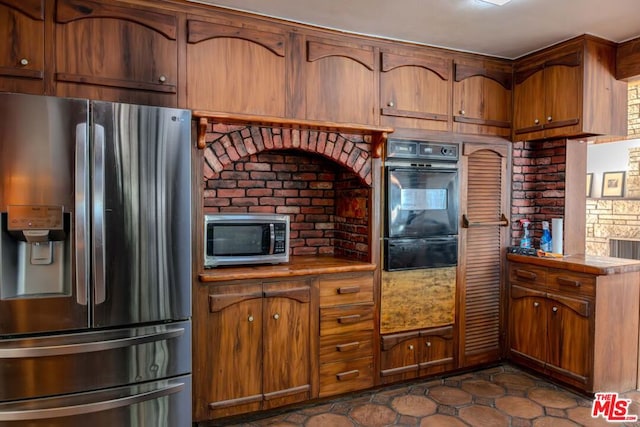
(217, 202)
(273, 201)
(311, 233)
(244, 201)
(236, 192)
(295, 138)
(313, 211)
(288, 209)
(259, 192)
(322, 202)
(283, 167)
(305, 250)
(286, 138)
(286, 193)
(262, 209)
(297, 201)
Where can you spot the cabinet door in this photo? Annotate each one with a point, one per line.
(435, 352)
(482, 97)
(233, 351)
(415, 91)
(570, 340)
(287, 337)
(340, 82)
(399, 357)
(115, 53)
(235, 69)
(529, 103)
(563, 96)
(22, 46)
(528, 325)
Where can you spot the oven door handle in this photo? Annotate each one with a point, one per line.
(466, 223)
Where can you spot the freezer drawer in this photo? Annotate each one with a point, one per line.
(74, 363)
(165, 403)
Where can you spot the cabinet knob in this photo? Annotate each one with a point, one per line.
(390, 104)
(24, 61)
(462, 112)
(410, 346)
(428, 343)
(549, 118)
(536, 121)
(276, 316)
(162, 79)
(554, 309)
(250, 319)
(536, 304)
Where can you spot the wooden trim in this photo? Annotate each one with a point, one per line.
(235, 402)
(287, 392)
(394, 112)
(389, 341)
(318, 50)
(199, 31)
(286, 123)
(22, 72)
(439, 66)
(470, 148)
(32, 8)
(302, 294)
(463, 71)
(431, 363)
(520, 76)
(572, 59)
(482, 122)
(73, 10)
(400, 370)
(105, 81)
(628, 60)
(220, 302)
(348, 375)
(351, 346)
(561, 123)
(502, 222)
(535, 128)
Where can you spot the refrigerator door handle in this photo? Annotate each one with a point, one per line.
(81, 226)
(78, 405)
(98, 215)
(88, 347)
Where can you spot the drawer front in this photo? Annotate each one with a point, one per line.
(347, 376)
(344, 347)
(346, 319)
(569, 281)
(346, 289)
(528, 275)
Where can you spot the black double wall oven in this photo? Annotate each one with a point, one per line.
(421, 205)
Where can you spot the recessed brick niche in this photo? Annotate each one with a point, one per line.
(322, 180)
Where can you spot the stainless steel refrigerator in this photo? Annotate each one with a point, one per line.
(95, 264)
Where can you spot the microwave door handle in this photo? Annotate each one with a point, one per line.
(272, 238)
(81, 226)
(98, 216)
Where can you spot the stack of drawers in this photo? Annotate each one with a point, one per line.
(346, 332)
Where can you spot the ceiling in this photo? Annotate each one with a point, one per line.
(508, 31)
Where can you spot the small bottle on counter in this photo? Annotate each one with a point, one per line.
(545, 240)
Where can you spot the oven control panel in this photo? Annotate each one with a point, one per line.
(407, 149)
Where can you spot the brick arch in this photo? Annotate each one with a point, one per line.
(229, 143)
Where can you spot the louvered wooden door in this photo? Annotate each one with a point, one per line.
(484, 234)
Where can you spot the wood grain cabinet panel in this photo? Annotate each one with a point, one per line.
(22, 44)
(565, 324)
(415, 90)
(482, 91)
(340, 81)
(569, 90)
(236, 68)
(116, 52)
(258, 348)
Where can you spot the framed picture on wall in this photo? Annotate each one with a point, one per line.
(589, 183)
(613, 184)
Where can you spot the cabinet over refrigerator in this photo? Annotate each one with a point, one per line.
(95, 264)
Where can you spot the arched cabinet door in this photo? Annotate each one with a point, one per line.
(114, 53)
(236, 68)
(22, 46)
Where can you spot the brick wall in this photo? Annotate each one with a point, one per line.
(326, 195)
(634, 110)
(538, 183)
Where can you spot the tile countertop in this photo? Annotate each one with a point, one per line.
(589, 264)
(297, 266)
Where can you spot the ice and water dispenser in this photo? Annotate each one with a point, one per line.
(35, 252)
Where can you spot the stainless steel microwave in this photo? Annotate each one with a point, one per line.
(246, 238)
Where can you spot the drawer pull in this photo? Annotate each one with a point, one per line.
(348, 347)
(353, 318)
(349, 290)
(527, 275)
(569, 282)
(349, 375)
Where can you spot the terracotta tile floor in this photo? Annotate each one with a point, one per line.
(497, 396)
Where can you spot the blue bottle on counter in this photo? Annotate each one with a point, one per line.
(545, 240)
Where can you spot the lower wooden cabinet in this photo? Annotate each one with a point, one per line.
(581, 329)
(258, 348)
(415, 354)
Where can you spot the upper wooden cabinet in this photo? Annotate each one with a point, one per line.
(569, 90)
(236, 67)
(340, 81)
(415, 90)
(116, 52)
(482, 92)
(22, 46)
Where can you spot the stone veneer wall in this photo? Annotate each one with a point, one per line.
(538, 184)
(615, 218)
(320, 179)
(634, 110)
